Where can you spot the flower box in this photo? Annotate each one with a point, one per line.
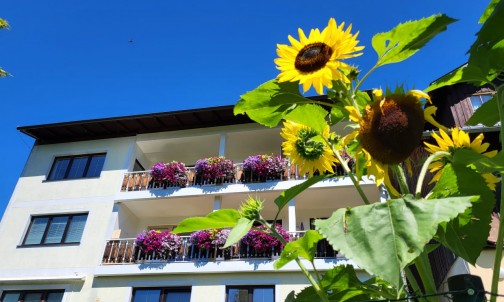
(213, 170)
(263, 167)
(173, 174)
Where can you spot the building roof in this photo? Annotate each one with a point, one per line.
(133, 125)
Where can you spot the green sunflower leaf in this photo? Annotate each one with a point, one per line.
(492, 31)
(488, 11)
(466, 235)
(343, 285)
(309, 115)
(292, 192)
(465, 74)
(225, 218)
(241, 228)
(407, 38)
(383, 238)
(260, 105)
(338, 113)
(304, 247)
(487, 114)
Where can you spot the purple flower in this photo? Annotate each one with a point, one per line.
(213, 168)
(261, 239)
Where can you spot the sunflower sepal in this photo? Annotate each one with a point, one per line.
(310, 115)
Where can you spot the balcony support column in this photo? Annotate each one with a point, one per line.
(222, 145)
(217, 203)
(292, 216)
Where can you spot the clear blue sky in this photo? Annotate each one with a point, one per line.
(73, 60)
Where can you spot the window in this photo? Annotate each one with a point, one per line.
(61, 229)
(32, 296)
(161, 294)
(479, 99)
(257, 293)
(79, 166)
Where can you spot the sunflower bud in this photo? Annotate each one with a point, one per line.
(251, 208)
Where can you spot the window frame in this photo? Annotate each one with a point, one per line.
(250, 289)
(22, 293)
(480, 95)
(47, 227)
(164, 291)
(89, 156)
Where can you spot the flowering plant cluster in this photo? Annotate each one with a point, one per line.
(158, 242)
(170, 174)
(213, 169)
(265, 166)
(261, 239)
(207, 239)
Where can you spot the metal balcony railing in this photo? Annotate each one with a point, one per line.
(125, 251)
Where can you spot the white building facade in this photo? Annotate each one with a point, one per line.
(68, 233)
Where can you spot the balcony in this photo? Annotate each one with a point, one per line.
(142, 180)
(125, 251)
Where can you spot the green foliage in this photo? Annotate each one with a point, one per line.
(225, 218)
(466, 235)
(270, 102)
(305, 247)
(383, 238)
(487, 114)
(240, 230)
(488, 11)
(290, 193)
(465, 74)
(342, 284)
(407, 38)
(309, 115)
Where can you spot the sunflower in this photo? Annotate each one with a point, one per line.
(316, 60)
(459, 140)
(307, 148)
(390, 129)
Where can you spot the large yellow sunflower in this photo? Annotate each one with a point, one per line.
(459, 140)
(316, 60)
(307, 149)
(390, 129)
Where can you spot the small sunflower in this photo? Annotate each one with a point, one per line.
(316, 60)
(307, 149)
(389, 130)
(459, 140)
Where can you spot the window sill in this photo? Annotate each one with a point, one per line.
(68, 179)
(47, 245)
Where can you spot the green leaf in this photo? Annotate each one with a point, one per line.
(466, 235)
(488, 11)
(240, 230)
(342, 285)
(292, 192)
(362, 98)
(407, 38)
(465, 74)
(270, 102)
(309, 115)
(338, 113)
(383, 238)
(225, 218)
(492, 30)
(487, 114)
(304, 247)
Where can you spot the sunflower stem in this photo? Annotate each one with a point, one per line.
(425, 167)
(350, 174)
(500, 233)
(320, 292)
(401, 178)
(359, 83)
(425, 272)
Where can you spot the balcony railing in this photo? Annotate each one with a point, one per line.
(125, 251)
(142, 180)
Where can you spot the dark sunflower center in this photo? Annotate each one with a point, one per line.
(306, 147)
(313, 57)
(390, 133)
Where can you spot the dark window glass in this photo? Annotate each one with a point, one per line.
(72, 167)
(255, 293)
(32, 296)
(162, 294)
(59, 169)
(55, 229)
